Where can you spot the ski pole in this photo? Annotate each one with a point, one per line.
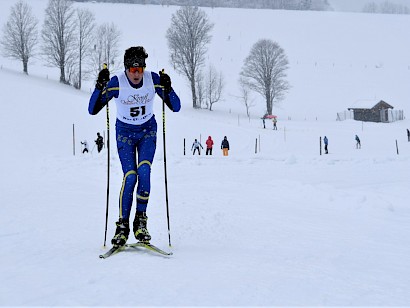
(165, 162)
(108, 164)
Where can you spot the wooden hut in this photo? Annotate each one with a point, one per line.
(370, 112)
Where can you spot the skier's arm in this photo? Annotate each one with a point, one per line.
(169, 96)
(100, 98)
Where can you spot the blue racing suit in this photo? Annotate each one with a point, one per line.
(134, 140)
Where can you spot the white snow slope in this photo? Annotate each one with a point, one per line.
(283, 227)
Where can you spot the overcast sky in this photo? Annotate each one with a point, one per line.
(357, 5)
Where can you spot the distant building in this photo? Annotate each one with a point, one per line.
(369, 111)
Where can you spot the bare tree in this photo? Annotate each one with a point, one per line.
(200, 89)
(264, 71)
(85, 21)
(58, 35)
(214, 86)
(386, 7)
(20, 34)
(187, 38)
(105, 50)
(245, 95)
(370, 7)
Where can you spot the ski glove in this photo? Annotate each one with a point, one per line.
(165, 82)
(103, 78)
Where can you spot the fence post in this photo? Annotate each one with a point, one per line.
(397, 148)
(73, 141)
(320, 145)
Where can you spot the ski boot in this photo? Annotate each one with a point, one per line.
(121, 233)
(140, 227)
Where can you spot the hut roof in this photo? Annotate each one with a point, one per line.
(369, 104)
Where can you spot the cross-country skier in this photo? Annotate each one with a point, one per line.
(85, 144)
(136, 133)
(196, 146)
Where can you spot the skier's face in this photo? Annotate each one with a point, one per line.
(135, 76)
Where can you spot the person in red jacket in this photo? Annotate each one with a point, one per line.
(209, 145)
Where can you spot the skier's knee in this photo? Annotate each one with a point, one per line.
(130, 177)
(144, 168)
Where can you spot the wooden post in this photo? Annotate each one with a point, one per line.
(397, 148)
(73, 141)
(259, 143)
(256, 145)
(320, 145)
(184, 146)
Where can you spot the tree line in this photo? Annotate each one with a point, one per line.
(73, 43)
(69, 40)
(386, 7)
(314, 5)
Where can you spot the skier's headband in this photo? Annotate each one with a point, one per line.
(135, 62)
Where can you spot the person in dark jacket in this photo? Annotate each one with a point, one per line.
(326, 141)
(209, 145)
(408, 135)
(225, 146)
(99, 142)
(134, 91)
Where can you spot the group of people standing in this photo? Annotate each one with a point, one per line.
(99, 142)
(274, 121)
(197, 146)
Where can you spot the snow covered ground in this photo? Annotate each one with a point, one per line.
(285, 226)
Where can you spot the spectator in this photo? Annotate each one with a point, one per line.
(99, 142)
(209, 145)
(326, 141)
(225, 146)
(274, 120)
(358, 145)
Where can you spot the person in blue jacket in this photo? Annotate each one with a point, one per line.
(134, 91)
(326, 141)
(358, 144)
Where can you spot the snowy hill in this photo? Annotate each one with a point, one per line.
(285, 226)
